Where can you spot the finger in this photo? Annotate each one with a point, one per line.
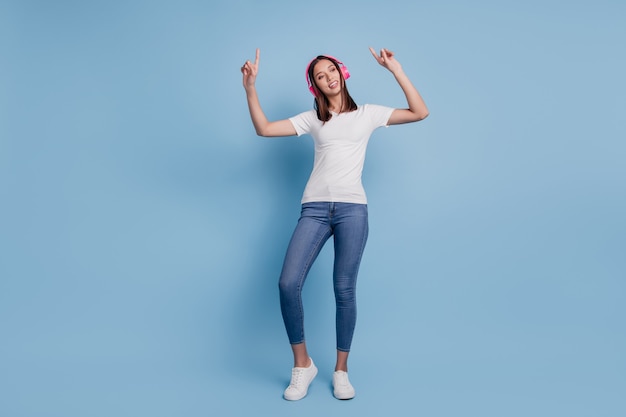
(376, 57)
(258, 54)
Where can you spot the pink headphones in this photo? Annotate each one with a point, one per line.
(344, 70)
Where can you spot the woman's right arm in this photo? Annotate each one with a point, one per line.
(262, 126)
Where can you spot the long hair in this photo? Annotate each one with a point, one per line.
(321, 101)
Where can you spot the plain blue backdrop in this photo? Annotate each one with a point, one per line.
(143, 223)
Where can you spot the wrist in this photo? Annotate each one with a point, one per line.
(397, 71)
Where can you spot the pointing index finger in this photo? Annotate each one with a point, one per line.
(376, 57)
(258, 53)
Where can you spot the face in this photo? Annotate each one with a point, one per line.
(327, 77)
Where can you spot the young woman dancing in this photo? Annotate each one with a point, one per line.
(334, 201)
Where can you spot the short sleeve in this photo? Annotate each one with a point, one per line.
(379, 115)
(303, 122)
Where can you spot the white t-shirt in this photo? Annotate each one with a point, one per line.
(340, 146)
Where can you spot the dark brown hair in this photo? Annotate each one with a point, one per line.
(321, 101)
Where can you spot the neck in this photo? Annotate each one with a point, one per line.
(335, 104)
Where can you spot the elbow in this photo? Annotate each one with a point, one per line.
(265, 130)
(421, 115)
(260, 133)
(417, 116)
(416, 113)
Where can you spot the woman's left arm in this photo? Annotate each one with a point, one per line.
(417, 108)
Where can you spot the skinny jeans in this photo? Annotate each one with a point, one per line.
(348, 224)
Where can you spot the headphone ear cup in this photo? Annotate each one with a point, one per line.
(312, 90)
(345, 72)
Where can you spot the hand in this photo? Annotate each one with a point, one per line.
(250, 70)
(387, 60)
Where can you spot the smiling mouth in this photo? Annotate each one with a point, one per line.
(333, 84)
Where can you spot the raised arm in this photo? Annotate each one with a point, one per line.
(262, 126)
(417, 108)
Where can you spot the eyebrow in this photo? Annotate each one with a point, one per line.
(331, 65)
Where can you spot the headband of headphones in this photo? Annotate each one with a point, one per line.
(342, 67)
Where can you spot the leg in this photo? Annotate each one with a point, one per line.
(311, 232)
(350, 230)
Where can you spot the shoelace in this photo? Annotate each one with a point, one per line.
(296, 375)
(342, 380)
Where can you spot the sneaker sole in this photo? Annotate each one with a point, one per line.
(297, 398)
(346, 396)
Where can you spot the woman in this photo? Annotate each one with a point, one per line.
(333, 203)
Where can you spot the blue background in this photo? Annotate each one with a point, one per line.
(143, 223)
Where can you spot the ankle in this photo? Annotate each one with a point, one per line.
(302, 363)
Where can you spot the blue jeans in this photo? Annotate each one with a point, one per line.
(348, 224)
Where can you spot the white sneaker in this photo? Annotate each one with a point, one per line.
(300, 380)
(342, 388)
